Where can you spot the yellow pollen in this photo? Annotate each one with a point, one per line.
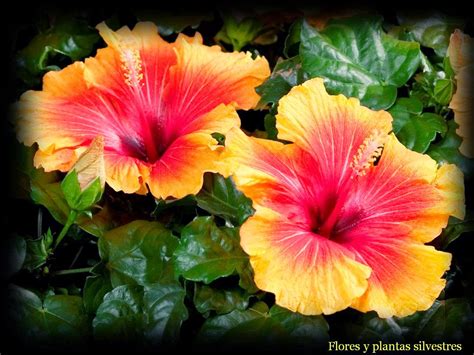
(132, 67)
(368, 152)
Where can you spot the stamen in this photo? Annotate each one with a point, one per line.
(132, 67)
(368, 152)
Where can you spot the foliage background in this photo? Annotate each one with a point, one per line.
(51, 309)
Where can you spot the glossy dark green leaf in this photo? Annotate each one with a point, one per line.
(370, 70)
(70, 37)
(95, 288)
(170, 22)
(207, 252)
(220, 197)
(449, 320)
(454, 230)
(447, 151)
(38, 251)
(416, 130)
(147, 316)
(138, 253)
(431, 29)
(56, 319)
(286, 74)
(120, 317)
(258, 324)
(292, 41)
(164, 309)
(221, 300)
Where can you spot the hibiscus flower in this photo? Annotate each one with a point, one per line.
(156, 105)
(343, 214)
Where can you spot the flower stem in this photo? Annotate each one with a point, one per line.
(71, 218)
(72, 271)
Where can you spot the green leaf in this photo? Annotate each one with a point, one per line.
(454, 230)
(447, 151)
(70, 37)
(78, 199)
(449, 320)
(148, 315)
(434, 87)
(276, 327)
(292, 41)
(169, 22)
(286, 74)
(370, 70)
(443, 91)
(238, 31)
(163, 306)
(138, 253)
(220, 197)
(416, 130)
(120, 317)
(38, 251)
(207, 252)
(270, 126)
(221, 300)
(431, 29)
(52, 198)
(56, 320)
(95, 288)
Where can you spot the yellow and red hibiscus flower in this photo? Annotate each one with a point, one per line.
(156, 105)
(461, 56)
(343, 214)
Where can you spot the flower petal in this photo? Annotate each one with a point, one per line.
(264, 171)
(307, 273)
(461, 56)
(126, 174)
(180, 170)
(405, 195)
(406, 276)
(331, 128)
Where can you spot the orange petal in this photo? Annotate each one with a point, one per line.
(308, 274)
(180, 170)
(406, 277)
(331, 128)
(404, 195)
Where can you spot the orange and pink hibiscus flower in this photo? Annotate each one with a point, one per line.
(343, 214)
(156, 104)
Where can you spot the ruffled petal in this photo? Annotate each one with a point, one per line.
(406, 277)
(405, 195)
(329, 127)
(307, 273)
(180, 170)
(126, 174)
